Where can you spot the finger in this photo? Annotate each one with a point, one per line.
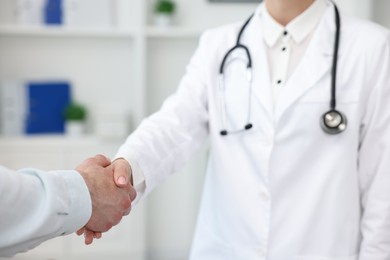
(88, 237)
(101, 160)
(127, 212)
(116, 218)
(80, 231)
(97, 235)
(132, 194)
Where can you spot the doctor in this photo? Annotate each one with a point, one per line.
(299, 125)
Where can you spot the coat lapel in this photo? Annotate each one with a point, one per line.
(315, 64)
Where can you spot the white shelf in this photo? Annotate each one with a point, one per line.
(150, 32)
(173, 32)
(42, 31)
(53, 139)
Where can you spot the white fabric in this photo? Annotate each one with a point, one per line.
(287, 45)
(36, 206)
(284, 189)
(281, 63)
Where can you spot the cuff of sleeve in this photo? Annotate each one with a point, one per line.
(80, 203)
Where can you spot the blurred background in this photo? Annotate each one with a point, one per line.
(77, 76)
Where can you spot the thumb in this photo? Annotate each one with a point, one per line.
(122, 173)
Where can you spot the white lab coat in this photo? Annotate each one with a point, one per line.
(284, 190)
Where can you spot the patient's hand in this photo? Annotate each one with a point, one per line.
(110, 200)
(111, 193)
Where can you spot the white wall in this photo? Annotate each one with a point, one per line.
(381, 12)
(360, 8)
(203, 14)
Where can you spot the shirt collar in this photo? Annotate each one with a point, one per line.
(299, 28)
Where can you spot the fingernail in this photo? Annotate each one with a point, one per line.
(122, 180)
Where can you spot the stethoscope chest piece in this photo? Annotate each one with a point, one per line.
(333, 122)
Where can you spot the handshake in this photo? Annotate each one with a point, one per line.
(110, 186)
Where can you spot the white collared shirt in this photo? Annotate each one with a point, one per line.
(287, 45)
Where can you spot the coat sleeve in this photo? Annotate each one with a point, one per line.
(374, 158)
(163, 142)
(36, 206)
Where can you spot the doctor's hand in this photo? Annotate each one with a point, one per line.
(122, 172)
(109, 202)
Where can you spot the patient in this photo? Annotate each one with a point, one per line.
(38, 205)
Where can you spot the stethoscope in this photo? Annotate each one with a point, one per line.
(332, 122)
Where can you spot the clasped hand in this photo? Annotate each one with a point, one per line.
(111, 190)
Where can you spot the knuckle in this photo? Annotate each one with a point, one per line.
(100, 157)
(117, 218)
(127, 212)
(89, 161)
(107, 227)
(132, 194)
(126, 203)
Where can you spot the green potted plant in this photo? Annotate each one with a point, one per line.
(164, 10)
(75, 118)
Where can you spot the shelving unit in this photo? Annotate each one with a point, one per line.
(7, 31)
(127, 70)
(172, 33)
(150, 32)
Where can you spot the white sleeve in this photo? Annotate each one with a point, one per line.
(137, 175)
(374, 159)
(165, 140)
(36, 206)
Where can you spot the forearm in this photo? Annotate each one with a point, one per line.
(375, 224)
(374, 160)
(163, 143)
(37, 206)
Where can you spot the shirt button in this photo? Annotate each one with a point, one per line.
(284, 48)
(279, 82)
(285, 33)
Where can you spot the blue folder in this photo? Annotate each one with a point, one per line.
(46, 105)
(53, 12)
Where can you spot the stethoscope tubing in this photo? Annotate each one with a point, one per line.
(335, 58)
(327, 118)
(238, 45)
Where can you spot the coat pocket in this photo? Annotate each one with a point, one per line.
(304, 257)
